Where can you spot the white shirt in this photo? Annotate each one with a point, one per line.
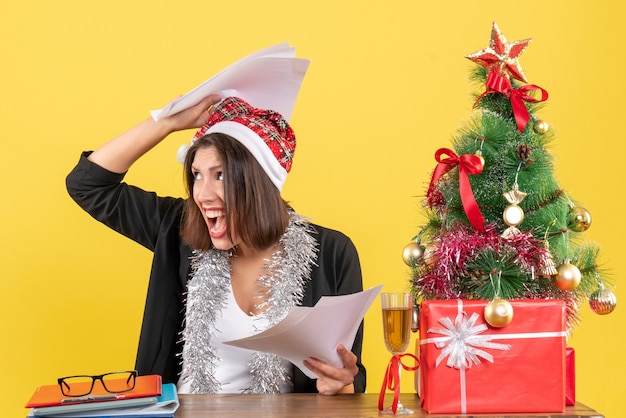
(231, 369)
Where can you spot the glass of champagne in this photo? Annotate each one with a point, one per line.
(397, 315)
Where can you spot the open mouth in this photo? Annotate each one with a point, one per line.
(217, 222)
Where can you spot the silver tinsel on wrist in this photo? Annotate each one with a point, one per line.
(288, 271)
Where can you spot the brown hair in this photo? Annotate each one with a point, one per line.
(254, 207)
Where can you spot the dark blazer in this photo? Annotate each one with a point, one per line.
(154, 222)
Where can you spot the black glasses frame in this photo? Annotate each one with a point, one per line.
(132, 376)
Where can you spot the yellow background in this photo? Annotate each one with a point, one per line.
(388, 85)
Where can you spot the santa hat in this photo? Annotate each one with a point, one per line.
(266, 79)
(265, 133)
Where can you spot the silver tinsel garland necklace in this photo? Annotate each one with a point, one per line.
(288, 271)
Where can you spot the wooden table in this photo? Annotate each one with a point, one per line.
(319, 406)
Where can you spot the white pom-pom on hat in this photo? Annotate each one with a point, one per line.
(182, 153)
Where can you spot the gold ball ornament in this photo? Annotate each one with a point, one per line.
(567, 277)
(578, 219)
(430, 258)
(602, 301)
(498, 313)
(415, 318)
(413, 253)
(541, 127)
(479, 154)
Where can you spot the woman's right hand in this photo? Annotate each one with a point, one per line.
(121, 152)
(193, 117)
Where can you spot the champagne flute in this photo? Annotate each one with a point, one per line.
(397, 311)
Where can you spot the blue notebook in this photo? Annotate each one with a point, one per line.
(163, 406)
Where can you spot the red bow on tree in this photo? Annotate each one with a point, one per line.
(468, 164)
(496, 83)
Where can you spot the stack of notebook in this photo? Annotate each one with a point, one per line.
(148, 399)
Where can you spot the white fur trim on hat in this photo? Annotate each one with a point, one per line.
(256, 146)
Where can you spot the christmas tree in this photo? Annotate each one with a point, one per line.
(499, 226)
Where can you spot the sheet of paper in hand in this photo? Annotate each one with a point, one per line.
(314, 331)
(267, 79)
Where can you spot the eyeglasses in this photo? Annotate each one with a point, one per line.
(114, 382)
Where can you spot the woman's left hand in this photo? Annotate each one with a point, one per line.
(332, 380)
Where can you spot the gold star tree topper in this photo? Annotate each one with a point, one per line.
(501, 56)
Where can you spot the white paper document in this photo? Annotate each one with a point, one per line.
(267, 79)
(314, 331)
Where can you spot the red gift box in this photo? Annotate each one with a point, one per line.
(467, 366)
(570, 377)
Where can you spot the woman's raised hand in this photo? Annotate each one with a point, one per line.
(193, 117)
